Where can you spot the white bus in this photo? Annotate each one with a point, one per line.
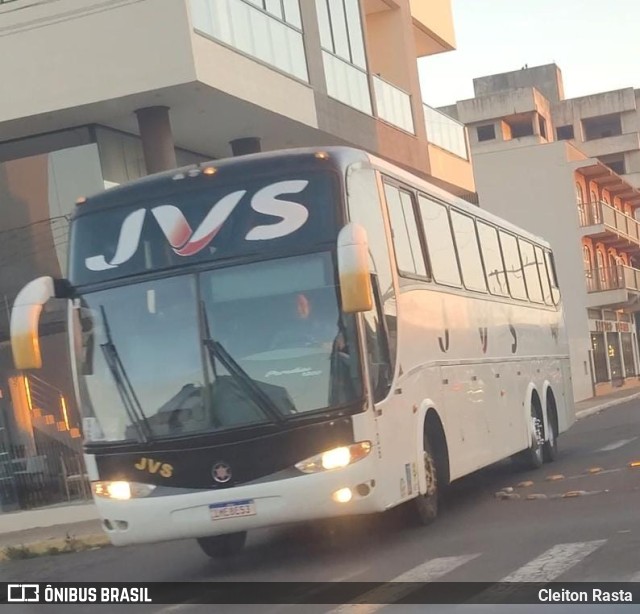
(298, 335)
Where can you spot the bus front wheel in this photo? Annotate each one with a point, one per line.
(426, 505)
(223, 546)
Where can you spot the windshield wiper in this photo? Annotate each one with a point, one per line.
(123, 384)
(217, 351)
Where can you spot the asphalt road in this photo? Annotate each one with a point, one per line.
(594, 536)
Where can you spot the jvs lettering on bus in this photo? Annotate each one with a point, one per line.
(187, 242)
(105, 594)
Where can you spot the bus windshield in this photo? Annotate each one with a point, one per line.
(232, 347)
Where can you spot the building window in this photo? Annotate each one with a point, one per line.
(341, 30)
(486, 133)
(601, 127)
(565, 133)
(599, 357)
(615, 163)
(627, 353)
(581, 208)
(268, 30)
(343, 54)
(542, 123)
(586, 258)
(520, 128)
(602, 273)
(286, 10)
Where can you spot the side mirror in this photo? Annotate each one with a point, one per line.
(25, 317)
(353, 269)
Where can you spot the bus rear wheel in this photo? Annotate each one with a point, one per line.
(550, 449)
(223, 546)
(533, 456)
(426, 505)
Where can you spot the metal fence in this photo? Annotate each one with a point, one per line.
(52, 473)
(41, 460)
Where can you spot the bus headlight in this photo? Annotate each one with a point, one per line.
(122, 490)
(337, 458)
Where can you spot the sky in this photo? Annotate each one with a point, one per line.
(596, 44)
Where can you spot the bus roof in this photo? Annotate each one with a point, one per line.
(339, 157)
(241, 166)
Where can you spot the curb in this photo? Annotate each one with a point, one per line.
(598, 408)
(54, 546)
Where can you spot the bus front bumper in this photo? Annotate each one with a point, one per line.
(197, 514)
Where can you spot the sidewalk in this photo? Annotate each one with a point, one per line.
(50, 527)
(597, 404)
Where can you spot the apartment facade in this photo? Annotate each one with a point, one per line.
(100, 92)
(568, 170)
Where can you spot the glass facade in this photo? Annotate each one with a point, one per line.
(268, 30)
(344, 54)
(393, 105)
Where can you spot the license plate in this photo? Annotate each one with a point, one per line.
(232, 509)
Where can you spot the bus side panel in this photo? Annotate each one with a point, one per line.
(564, 398)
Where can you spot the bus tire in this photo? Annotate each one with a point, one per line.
(533, 456)
(223, 546)
(550, 448)
(426, 506)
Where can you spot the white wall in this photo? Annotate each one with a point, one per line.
(533, 187)
(68, 53)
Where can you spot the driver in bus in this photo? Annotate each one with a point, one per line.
(310, 329)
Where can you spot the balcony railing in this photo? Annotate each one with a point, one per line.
(394, 105)
(446, 132)
(347, 82)
(595, 213)
(617, 277)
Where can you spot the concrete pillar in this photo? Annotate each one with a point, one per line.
(313, 46)
(157, 139)
(606, 346)
(246, 146)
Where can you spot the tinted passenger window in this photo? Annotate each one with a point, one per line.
(442, 254)
(544, 278)
(406, 240)
(530, 271)
(464, 230)
(493, 260)
(553, 277)
(513, 265)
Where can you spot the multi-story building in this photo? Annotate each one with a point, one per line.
(530, 104)
(569, 170)
(100, 92)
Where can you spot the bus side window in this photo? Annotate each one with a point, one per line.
(515, 276)
(366, 205)
(546, 286)
(553, 277)
(380, 370)
(530, 268)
